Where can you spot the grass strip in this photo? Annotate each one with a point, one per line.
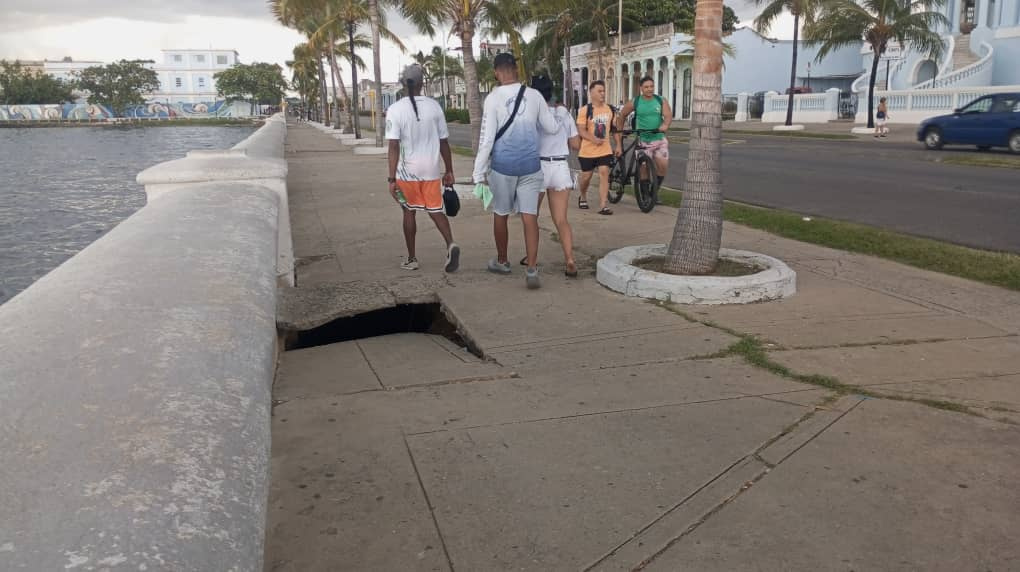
(995, 268)
(753, 352)
(970, 161)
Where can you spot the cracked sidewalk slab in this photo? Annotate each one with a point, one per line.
(947, 503)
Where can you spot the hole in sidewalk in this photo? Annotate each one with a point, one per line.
(400, 319)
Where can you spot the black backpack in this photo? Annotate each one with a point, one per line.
(591, 113)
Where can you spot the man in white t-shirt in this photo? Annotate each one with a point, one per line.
(554, 151)
(508, 160)
(418, 136)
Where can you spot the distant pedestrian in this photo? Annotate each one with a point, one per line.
(881, 118)
(508, 161)
(418, 137)
(554, 151)
(594, 125)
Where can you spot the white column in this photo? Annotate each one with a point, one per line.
(741, 115)
(982, 14)
(954, 16)
(671, 85)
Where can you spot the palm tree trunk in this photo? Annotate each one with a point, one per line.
(322, 88)
(793, 69)
(698, 231)
(334, 73)
(871, 87)
(568, 78)
(474, 98)
(355, 116)
(342, 95)
(515, 47)
(373, 10)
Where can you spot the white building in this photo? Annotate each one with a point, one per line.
(186, 76)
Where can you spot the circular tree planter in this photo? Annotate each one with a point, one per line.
(776, 280)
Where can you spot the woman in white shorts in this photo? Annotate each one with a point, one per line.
(554, 151)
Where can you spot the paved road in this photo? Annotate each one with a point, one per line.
(894, 185)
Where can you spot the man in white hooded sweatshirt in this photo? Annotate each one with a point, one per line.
(508, 161)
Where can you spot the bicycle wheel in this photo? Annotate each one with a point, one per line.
(645, 191)
(617, 181)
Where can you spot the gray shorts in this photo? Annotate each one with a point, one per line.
(513, 194)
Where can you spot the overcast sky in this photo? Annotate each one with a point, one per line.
(138, 29)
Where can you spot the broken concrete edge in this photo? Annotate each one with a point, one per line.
(136, 383)
(776, 281)
(303, 309)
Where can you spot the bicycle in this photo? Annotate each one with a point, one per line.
(629, 166)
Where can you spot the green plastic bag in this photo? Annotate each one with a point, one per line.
(482, 192)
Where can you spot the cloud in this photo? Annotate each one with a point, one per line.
(23, 15)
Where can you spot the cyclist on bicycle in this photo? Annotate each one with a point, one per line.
(651, 112)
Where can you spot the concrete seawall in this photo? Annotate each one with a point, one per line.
(135, 381)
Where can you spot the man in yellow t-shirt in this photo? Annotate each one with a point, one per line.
(594, 125)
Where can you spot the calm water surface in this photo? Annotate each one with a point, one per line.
(62, 188)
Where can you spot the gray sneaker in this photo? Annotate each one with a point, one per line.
(498, 267)
(452, 257)
(531, 279)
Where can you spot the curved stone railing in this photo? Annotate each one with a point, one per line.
(135, 388)
(861, 83)
(978, 73)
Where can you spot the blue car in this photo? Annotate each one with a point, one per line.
(989, 121)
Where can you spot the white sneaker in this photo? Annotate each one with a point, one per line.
(452, 257)
(410, 264)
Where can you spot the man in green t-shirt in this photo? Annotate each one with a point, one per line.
(652, 112)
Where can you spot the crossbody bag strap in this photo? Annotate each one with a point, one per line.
(517, 106)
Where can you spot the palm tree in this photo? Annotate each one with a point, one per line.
(598, 19)
(463, 14)
(508, 18)
(556, 21)
(697, 235)
(439, 65)
(801, 9)
(349, 15)
(486, 75)
(305, 74)
(307, 17)
(879, 22)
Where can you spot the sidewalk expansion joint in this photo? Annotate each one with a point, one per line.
(370, 366)
(790, 433)
(428, 502)
(578, 415)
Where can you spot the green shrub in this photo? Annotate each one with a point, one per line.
(457, 115)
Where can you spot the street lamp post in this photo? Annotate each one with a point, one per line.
(619, 51)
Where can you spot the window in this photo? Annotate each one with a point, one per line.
(178, 58)
(980, 106)
(178, 82)
(221, 60)
(201, 82)
(200, 58)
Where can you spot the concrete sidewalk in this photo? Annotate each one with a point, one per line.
(597, 432)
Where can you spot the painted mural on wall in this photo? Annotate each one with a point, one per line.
(87, 111)
(80, 111)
